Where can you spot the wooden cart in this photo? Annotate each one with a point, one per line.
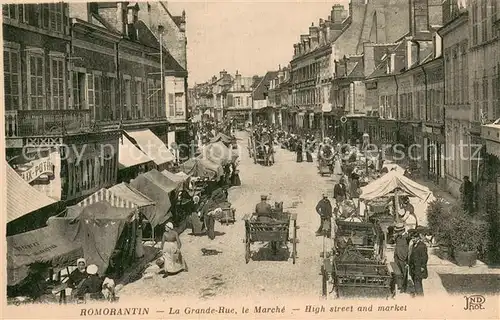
(357, 266)
(276, 231)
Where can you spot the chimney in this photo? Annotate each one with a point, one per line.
(369, 58)
(295, 49)
(121, 17)
(321, 35)
(419, 17)
(327, 30)
(314, 35)
(214, 78)
(336, 13)
(321, 22)
(222, 73)
(301, 48)
(132, 18)
(303, 37)
(237, 80)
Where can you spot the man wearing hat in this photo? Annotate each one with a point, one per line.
(401, 242)
(417, 260)
(263, 209)
(324, 209)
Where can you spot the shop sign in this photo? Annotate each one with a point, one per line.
(177, 127)
(38, 168)
(427, 129)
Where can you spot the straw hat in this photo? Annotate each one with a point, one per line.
(196, 199)
(263, 197)
(92, 269)
(169, 225)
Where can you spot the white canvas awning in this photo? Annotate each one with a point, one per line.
(130, 155)
(152, 146)
(21, 197)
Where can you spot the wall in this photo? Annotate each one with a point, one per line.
(175, 38)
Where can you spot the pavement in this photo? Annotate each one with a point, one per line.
(227, 275)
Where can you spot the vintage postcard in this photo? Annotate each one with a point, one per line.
(251, 159)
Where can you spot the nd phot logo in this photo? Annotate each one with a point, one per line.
(474, 302)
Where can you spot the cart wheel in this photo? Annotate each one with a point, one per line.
(247, 251)
(324, 280)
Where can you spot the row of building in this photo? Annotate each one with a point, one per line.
(85, 85)
(417, 72)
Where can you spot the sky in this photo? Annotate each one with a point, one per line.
(249, 36)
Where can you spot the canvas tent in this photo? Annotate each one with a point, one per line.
(204, 168)
(45, 245)
(388, 183)
(217, 152)
(221, 137)
(99, 227)
(175, 177)
(156, 187)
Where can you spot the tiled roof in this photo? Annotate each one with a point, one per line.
(21, 197)
(263, 87)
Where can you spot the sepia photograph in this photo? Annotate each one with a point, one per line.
(251, 159)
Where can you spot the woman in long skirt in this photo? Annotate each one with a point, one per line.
(171, 248)
(337, 167)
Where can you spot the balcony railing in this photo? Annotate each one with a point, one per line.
(30, 123)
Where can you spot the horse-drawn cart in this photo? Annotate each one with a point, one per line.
(357, 265)
(276, 232)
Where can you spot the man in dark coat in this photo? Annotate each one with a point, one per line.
(299, 150)
(401, 242)
(263, 209)
(467, 192)
(209, 219)
(339, 192)
(324, 209)
(417, 261)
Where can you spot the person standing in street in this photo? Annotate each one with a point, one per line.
(209, 217)
(467, 193)
(417, 261)
(324, 209)
(339, 193)
(401, 242)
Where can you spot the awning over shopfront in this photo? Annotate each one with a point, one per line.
(152, 146)
(21, 197)
(43, 245)
(130, 155)
(388, 183)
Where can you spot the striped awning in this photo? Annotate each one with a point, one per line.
(108, 196)
(493, 148)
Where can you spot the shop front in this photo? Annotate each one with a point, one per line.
(433, 166)
(180, 139)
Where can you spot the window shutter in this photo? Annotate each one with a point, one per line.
(230, 101)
